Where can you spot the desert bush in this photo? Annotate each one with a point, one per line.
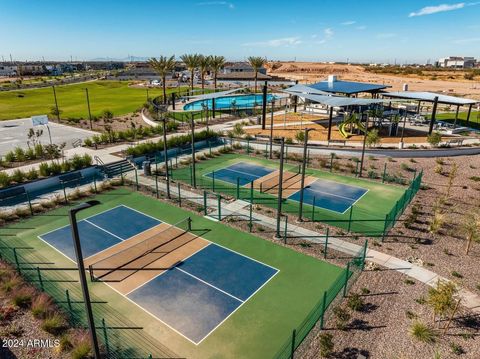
(41, 306)
(5, 179)
(355, 302)
(326, 344)
(422, 332)
(22, 297)
(54, 324)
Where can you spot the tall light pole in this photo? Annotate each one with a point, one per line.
(88, 105)
(271, 129)
(165, 155)
(194, 179)
(280, 189)
(364, 144)
(56, 103)
(304, 166)
(81, 271)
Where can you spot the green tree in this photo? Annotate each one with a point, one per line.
(434, 138)
(216, 64)
(203, 66)
(300, 136)
(373, 138)
(441, 298)
(471, 229)
(163, 66)
(257, 63)
(192, 62)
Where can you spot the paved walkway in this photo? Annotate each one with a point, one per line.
(240, 208)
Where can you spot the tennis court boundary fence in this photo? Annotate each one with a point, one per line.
(318, 315)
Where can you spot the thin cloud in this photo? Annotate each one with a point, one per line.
(348, 23)
(467, 40)
(361, 27)
(328, 32)
(429, 10)
(283, 42)
(386, 35)
(217, 3)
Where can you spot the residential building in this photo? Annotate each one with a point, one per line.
(457, 62)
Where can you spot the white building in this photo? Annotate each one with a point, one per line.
(8, 70)
(458, 62)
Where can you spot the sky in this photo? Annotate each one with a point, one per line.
(388, 31)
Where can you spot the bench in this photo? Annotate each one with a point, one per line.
(70, 177)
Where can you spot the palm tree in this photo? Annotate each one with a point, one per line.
(163, 66)
(216, 64)
(257, 63)
(192, 62)
(203, 67)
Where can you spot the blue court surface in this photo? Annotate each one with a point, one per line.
(101, 231)
(244, 171)
(334, 196)
(200, 293)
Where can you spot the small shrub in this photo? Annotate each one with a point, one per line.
(409, 281)
(65, 344)
(9, 285)
(342, 317)
(410, 315)
(22, 297)
(365, 290)
(355, 302)
(41, 306)
(32, 174)
(81, 351)
(456, 275)
(326, 344)
(456, 349)
(18, 176)
(54, 324)
(422, 332)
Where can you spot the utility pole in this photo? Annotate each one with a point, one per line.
(271, 129)
(304, 166)
(164, 123)
(89, 112)
(194, 179)
(280, 184)
(56, 103)
(81, 271)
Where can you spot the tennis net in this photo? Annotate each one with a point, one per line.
(136, 253)
(289, 178)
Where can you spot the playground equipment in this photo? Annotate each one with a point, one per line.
(350, 122)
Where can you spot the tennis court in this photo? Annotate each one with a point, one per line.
(242, 172)
(329, 195)
(185, 281)
(333, 196)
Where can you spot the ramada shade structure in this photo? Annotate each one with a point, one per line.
(435, 99)
(347, 88)
(330, 100)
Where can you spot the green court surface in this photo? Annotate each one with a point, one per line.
(258, 329)
(116, 96)
(367, 215)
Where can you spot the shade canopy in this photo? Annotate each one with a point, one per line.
(347, 87)
(430, 97)
(213, 95)
(303, 89)
(339, 101)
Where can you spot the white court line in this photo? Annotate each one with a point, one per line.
(228, 316)
(158, 275)
(210, 285)
(154, 316)
(102, 229)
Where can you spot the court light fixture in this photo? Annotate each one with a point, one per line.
(81, 271)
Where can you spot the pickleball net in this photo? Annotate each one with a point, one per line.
(128, 260)
(290, 180)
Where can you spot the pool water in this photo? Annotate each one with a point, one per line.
(222, 103)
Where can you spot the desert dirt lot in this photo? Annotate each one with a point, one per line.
(450, 82)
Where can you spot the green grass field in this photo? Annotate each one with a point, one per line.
(368, 215)
(462, 118)
(115, 96)
(257, 330)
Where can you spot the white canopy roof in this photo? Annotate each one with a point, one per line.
(430, 97)
(339, 101)
(212, 95)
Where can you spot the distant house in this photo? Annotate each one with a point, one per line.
(8, 70)
(457, 62)
(243, 76)
(241, 67)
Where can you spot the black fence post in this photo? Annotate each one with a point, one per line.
(294, 334)
(105, 336)
(40, 280)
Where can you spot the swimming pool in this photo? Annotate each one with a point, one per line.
(222, 103)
